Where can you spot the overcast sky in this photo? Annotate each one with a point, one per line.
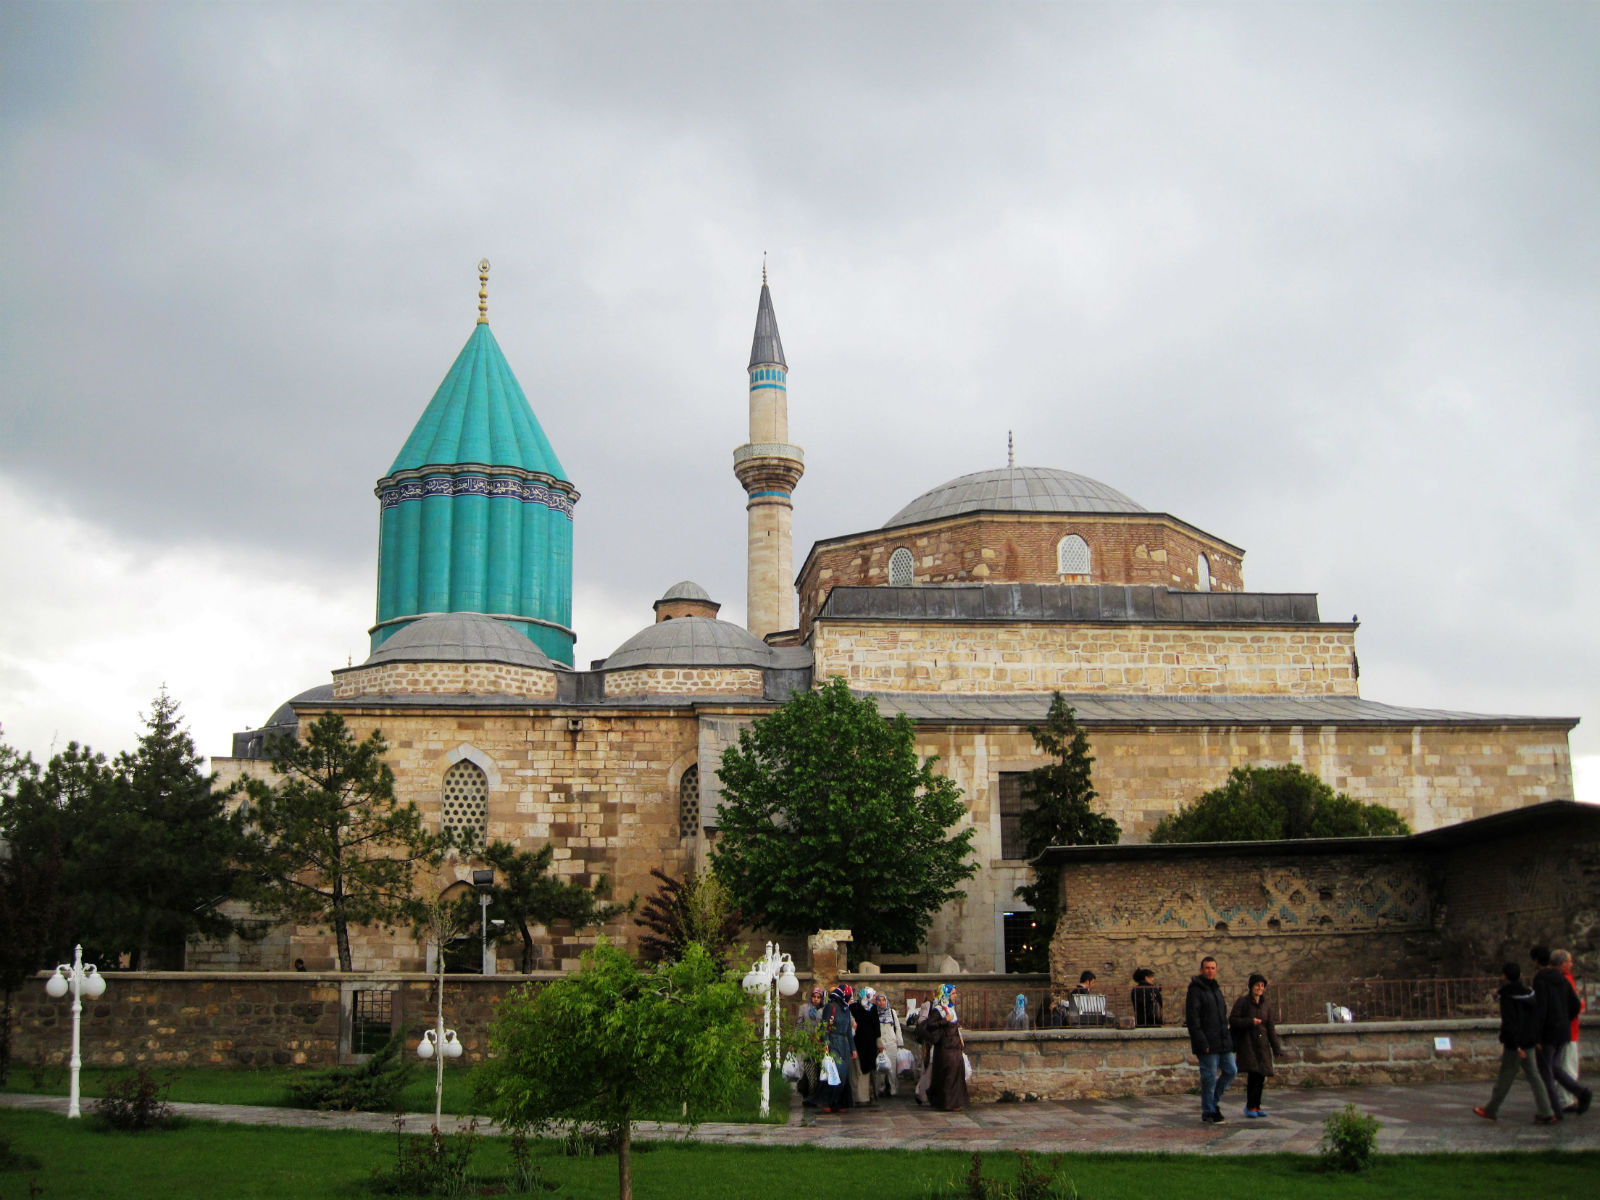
(1323, 280)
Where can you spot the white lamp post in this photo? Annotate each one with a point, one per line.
(83, 979)
(772, 976)
(439, 1044)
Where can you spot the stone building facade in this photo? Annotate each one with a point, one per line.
(965, 612)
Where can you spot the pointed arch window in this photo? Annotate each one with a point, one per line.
(902, 571)
(464, 802)
(689, 802)
(1202, 574)
(1072, 555)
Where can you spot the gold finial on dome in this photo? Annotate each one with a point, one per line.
(1011, 459)
(483, 291)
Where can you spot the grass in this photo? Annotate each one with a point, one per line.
(269, 1087)
(202, 1160)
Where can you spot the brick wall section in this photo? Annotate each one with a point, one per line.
(444, 679)
(1160, 659)
(684, 681)
(1021, 548)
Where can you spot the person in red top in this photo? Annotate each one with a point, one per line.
(1562, 961)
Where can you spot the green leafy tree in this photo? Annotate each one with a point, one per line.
(828, 821)
(33, 911)
(1275, 803)
(335, 845)
(615, 1042)
(694, 910)
(525, 894)
(1059, 799)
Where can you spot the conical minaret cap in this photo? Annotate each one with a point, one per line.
(767, 349)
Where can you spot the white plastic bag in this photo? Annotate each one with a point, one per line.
(883, 1061)
(968, 1063)
(830, 1071)
(907, 1060)
(791, 1069)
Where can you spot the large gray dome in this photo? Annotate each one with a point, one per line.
(1015, 489)
(692, 642)
(460, 637)
(687, 589)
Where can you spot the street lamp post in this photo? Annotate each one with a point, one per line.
(772, 976)
(483, 881)
(83, 979)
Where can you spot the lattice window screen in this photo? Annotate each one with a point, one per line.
(902, 572)
(464, 804)
(689, 802)
(1072, 555)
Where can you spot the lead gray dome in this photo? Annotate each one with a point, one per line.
(688, 589)
(1015, 489)
(459, 637)
(691, 642)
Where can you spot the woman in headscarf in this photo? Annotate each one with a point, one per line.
(889, 1040)
(810, 1021)
(947, 1088)
(1019, 1014)
(839, 1027)
(866, 1015)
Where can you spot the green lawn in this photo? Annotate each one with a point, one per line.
(269, 1086)
(203, 1160)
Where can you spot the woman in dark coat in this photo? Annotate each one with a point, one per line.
(867, 1034)
(1146, 997)
(839, 1028)
(1255, 1040)
(947, 1089)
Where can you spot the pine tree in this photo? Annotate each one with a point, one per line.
(525, 894)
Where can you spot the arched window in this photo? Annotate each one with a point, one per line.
(464, 802)
(902, 572)
(689, 802)
(1202, 574)
(1072, 555)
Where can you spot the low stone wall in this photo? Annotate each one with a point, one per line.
(1082, 1064)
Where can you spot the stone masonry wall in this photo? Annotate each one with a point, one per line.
(1021, 548)
(1122, 659)
(684, 681)
(444, 679)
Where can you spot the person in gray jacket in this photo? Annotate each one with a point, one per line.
(1205, 1013)
(1519, 1034)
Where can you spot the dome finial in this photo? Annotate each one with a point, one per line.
(483, 291)
(763, 268)
(1011, 460)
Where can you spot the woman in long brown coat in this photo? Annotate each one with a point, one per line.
(947, 1089)
(1255, 1040)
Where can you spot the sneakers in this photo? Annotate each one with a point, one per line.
(1210, 1118)
(1483, 1112)
(1217, 1118)
(1255, 1114)
(1584, 1101)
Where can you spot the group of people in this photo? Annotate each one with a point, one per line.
(1539, 1038)
(1229, 1040)
(864, 1045)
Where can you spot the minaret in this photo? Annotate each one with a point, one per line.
(769, 467)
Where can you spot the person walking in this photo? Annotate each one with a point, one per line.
(839, 1028)
(1255, 1041)
(1519, 1034)
(1562, 961)
(947, 1090)
(1556, 1005)
(809, 1020)
(1205, 1014)
(866, 1016)
(886, 1081)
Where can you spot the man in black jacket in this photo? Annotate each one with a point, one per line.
(1205, 1013)
(1519, 1034)
(1556, 1007)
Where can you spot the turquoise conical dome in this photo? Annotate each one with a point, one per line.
(477, 510)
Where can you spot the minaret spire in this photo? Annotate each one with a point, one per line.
(483, 291)
(769, 468)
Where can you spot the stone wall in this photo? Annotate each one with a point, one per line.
(1156, 659)
(444, 679)
(684, 681)
(1021, 548)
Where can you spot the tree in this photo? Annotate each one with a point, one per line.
(335, 846)
(693, 910)
(1273, 803)
(615, 1042)
(525, 894)
(828, 821)
(1059, 799)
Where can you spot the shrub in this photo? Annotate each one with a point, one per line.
(1349, 1140)
(1037, 1179)
(373, 1086)
(431, 1164)
(137, 1102)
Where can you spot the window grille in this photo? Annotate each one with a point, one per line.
(371, 1020)
(1072, 555)
(689, 802)
(464, 803)
(1202, 574)
(902, 572)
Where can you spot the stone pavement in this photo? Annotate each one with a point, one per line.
(1416, 1119)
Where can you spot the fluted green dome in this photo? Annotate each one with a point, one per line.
(479, 415)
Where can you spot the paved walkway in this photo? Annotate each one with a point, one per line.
(1418, 1119)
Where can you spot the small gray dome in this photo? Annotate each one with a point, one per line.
(691, 642)
(1015, 489)
(688, 589)
(459, 637)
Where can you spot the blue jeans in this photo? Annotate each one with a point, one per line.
(1216, 1073)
